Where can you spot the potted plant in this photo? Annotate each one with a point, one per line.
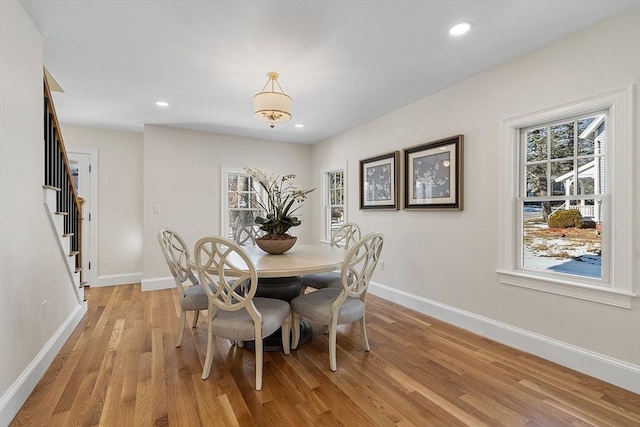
(278, 204)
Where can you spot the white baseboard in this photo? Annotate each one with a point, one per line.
(157, 284)
(118, 279)
(605, 368)
(17, 394)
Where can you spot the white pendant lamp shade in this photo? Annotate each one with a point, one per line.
(272, 106)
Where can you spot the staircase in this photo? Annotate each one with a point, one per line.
(63, 206)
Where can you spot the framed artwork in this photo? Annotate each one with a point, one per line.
(379, 178)
(433, 175)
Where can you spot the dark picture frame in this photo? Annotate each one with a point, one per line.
(433, 175)
(379, 178)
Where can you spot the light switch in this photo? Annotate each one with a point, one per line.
(156, 209)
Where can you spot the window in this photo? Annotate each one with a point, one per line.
(562, 196)
(241, 207)
(334, 201)
(566, 191)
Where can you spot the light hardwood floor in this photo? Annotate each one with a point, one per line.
(121, 368)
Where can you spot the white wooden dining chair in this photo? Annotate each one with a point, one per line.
(345, 236)
(229, 278)
(333, 306)
(246, 236)
(191, 298)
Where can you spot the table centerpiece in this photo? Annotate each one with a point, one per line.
(278, 203)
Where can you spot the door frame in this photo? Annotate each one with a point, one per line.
(92, 276)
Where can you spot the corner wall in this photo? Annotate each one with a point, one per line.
(119, 215)
(183, 174)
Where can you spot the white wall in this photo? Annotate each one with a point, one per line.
(450, 257)
(119, 216)
(32, 269)
(182, 174)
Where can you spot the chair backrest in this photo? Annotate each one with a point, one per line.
(227, 275)
(246, 236)
(346, 235)
(359, 265)
(176, 253)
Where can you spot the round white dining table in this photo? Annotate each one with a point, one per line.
(299, 260)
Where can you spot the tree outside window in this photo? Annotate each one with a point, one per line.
(242, 207)
(334, 201)
(562, 194)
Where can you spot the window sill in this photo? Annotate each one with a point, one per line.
(566, 288)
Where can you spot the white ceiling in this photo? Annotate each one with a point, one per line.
(343, 62)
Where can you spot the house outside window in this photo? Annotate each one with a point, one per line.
(566, 200)
(334, 201)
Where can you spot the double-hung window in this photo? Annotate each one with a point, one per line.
(562, 196)
(334, 201)
(566, 201)
(241, 208)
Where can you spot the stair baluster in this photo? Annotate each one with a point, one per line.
(58, 174)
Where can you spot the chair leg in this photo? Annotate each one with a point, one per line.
(333, 330)
(196, 314)
(183, 319)
(296, 330)
(286, 335)
(206, 369)
(363, 333)
(259, 357)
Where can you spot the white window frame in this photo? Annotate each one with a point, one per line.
(620, 234)
(326, 207)
(224, 214)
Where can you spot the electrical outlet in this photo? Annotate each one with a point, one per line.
(381, 264)
(44, 309)
(156, 209)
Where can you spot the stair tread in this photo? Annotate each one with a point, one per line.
(51, 187)
(62, 213)
(74, 253)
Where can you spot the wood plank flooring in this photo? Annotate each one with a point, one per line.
(120, 367)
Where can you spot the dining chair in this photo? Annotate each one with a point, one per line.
(345, 236)
(229, 278)
(191, 298)
(333, 306)
(246, 236)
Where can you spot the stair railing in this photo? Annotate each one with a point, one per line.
(57, 175)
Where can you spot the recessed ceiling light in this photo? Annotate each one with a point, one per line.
(299, 125)
(162, 104)
(459, 29)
